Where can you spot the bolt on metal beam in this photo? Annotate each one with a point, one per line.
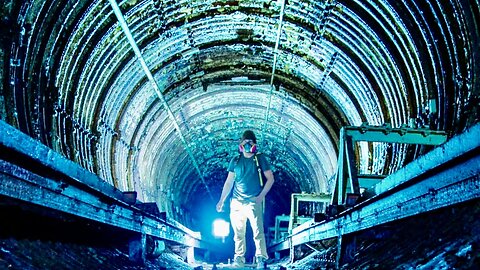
(148, 73)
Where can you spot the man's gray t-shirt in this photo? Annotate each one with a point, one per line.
(247, 183)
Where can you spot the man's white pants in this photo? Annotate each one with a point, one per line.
(239, 213)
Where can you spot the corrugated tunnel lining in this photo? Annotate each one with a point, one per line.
(337, 63)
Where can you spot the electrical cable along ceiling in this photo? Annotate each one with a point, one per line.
(165, 119)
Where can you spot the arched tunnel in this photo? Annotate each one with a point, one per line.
(153, 96)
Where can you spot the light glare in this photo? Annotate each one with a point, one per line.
(221, 228)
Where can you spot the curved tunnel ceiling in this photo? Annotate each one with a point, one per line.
(293, 71)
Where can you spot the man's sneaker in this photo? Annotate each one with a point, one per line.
(238, 262)
(261, 263)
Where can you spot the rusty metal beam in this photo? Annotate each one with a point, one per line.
(35, 174)
(347, 170)
(23, 185)
(395, 135)
(448, 175)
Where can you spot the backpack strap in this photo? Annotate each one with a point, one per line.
(259, 169)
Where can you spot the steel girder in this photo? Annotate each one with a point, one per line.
(448, 175)
(347, 169)
(59, 184)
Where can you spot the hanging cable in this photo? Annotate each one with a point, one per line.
(154, 84)
(274, 66)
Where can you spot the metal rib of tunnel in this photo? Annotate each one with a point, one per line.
(152, 96)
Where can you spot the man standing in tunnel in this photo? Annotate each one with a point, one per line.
(249, 191)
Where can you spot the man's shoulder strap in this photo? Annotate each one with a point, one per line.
(257, 155)
(256, 159)
(237, 158)
(259, 168)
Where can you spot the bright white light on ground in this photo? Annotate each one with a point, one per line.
(221, 228)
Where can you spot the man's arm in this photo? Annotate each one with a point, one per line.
(227, 187)
(268, 185)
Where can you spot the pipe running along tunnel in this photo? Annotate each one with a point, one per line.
(152, 96)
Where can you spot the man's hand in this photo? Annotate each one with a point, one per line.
(227, 187)
(259, 199)
(220, 206)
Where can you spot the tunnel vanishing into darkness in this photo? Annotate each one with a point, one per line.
(154, 96)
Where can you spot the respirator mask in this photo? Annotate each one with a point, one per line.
(248, 146)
